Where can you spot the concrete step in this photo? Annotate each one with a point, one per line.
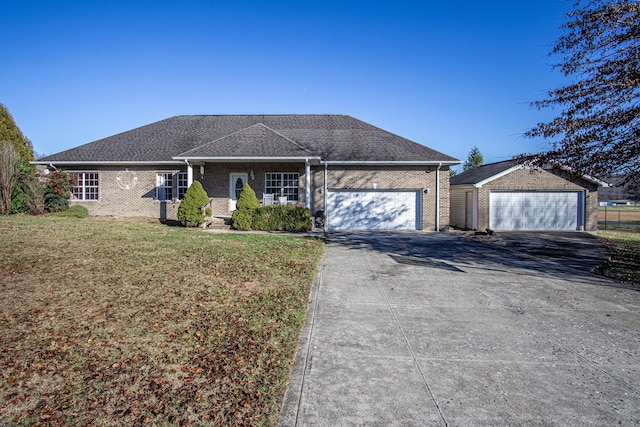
(217, 223)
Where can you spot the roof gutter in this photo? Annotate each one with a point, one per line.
(394, 162)
(104, 163)
(311, 160)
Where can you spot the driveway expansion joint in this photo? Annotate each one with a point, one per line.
(406, 340)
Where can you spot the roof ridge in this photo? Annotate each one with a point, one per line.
(259, 124)
(286, 138)
(266, 115)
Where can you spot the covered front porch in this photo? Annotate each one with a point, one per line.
(276, 181)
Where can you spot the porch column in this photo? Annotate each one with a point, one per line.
(189, 174)
(307, 184)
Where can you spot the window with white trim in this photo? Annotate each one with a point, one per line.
(282, 184)
(164, 186)
(183, 184)
(85, 186)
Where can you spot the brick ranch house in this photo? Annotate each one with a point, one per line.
(512, 195)
(362, 177)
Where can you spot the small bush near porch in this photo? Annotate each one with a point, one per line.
(131, 323)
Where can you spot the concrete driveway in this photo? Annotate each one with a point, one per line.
(414, 329)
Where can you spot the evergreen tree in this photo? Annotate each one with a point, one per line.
(474, 159)
(24, 172)
(9, 131)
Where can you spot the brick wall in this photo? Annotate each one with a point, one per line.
(418, 178)
(114, 199)
(139, 199)
(530, 179)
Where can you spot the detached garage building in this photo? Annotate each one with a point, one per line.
(510, 196)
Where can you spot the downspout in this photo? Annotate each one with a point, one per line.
(189, 173)
(326, 214)
(438, 197)
(307, 184)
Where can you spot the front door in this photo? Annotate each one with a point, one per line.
(236, 182)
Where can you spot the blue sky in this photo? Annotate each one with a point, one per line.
(449, 75)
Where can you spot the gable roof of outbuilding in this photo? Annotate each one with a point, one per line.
(338, 138)
(481, 175)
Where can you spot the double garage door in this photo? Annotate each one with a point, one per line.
(374, 210)
(544, 210)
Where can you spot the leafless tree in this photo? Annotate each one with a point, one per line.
(9, 160)
(597, 131)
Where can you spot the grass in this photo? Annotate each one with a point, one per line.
(113, 322)
(624, 243)
(614, 215)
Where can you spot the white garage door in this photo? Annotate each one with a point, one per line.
(534, 210)
(373, 210)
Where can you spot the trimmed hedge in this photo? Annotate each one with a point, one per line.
(272, 218)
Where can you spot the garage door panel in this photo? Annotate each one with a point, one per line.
(371, 210)
(533, 211)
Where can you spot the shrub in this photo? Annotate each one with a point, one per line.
(35, 201)
(75, 211)
(191, 212)
(57, 191)
(247, 198)
(249, 215)
(273, 218)
(21, 195)
(242, 217)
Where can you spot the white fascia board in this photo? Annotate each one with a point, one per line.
(315, 160)
(596, 181)
(392, 163)
(498, 175)
(104, 163)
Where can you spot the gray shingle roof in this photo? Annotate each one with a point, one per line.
(480, 173)
(243, 144)
(330, 137)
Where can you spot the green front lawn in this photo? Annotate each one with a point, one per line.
(133, 323)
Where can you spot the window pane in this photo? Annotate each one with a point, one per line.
(182, 184)
(164, 189)
(85, 186)
(282, 184)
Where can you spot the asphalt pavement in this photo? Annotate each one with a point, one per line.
(437, 329)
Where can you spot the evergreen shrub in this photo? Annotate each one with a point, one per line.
(191, 212)
(247, 198)
(242, 217)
